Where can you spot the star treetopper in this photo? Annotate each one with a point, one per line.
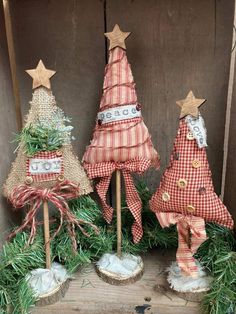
(186, 194)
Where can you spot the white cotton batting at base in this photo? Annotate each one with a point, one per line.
(44, 281)
(123, 267)
(182, 283)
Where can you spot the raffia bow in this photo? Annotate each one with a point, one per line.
(58, 195)
(105, 170)
(187, 247)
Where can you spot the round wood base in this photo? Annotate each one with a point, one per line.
(188, 296)
(120, 280)
(187, 287)
(195, 296)
(55, 295)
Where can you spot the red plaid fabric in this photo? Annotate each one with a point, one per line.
(134, 203)
(187, 247)
(199, 190)
(41, 177)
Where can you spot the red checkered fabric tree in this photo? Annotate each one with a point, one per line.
(121, 140)
(186, 194)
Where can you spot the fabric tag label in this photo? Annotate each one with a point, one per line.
(197, 127)
(119, 113)
(43, 166)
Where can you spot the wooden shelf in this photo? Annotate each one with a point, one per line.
(88, 294)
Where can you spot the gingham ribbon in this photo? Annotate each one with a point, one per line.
(24, 195)
(105, 170)
(187, 247)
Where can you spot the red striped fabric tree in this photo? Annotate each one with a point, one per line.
(121, 140)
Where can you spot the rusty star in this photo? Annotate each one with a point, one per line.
(117, 37)
(190, 105)
(41, 76)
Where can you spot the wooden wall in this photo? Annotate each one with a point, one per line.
(175, 46)
(230, 182)
(8, 126)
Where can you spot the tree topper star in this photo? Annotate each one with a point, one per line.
(117, 37)
(190, 105)
(41, 76)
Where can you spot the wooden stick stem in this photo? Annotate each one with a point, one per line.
(46, 234)
(118, 211)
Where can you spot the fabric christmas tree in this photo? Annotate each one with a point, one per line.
(186, 194)
(121, 139)
(46, 167)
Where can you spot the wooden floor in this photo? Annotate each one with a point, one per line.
(88, 294)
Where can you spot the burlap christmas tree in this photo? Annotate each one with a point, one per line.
(121, 140)
(46, 168)
(186, 194)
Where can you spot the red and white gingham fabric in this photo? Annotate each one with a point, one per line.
(41, 177)
(207, 204)
(134, 203)
(187, 247)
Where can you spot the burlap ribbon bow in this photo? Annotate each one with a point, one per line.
(34, 196)
(105, 170)
(186, 247)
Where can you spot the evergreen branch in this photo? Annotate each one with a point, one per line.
(217, 256)
(17, 259)
(37, 138)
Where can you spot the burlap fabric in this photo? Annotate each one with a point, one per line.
(43, 108)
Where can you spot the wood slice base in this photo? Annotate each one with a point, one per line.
(191, 296)
(188, 296)
(119, 279)
(55, 295)
(187, 287)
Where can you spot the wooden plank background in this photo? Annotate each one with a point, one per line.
(175, 46)
(230, 182)
(68, 37)
(8, 126)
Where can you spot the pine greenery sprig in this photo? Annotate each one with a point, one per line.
(39, 138)
(46, 134)
(17, 259)
(217, 255)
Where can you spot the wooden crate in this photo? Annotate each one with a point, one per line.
(175, 46)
